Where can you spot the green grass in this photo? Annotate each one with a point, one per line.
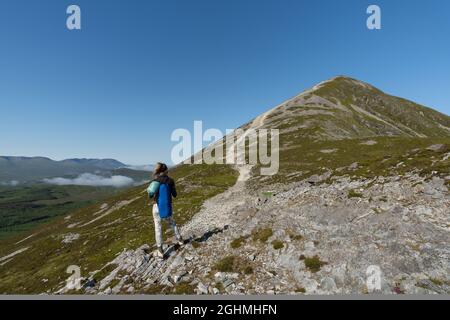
(233, 264)
(437, 281)
(226, 264)
(195, 244)
(354, 194)
(237, 243)
(381, 159)
(304, 135)
(126, 228)
(267, 194)
(300, 290)
(156, 289)
(277, 244)
(396, 110)
(313, 263)
(23, 208)
(247, 270)
(219, 286)
(184, 288)
(262, 235)
(114, 282)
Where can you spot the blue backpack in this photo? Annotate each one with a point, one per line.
(164, 201)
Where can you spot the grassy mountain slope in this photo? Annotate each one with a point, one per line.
(358, 158)
(345, 126)
(24, 207)
(341, 127)
(92, 236)
(344, 108)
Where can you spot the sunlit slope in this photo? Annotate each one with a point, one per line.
(340, 128)
(343, 126)
(36, 262)
(345, 108)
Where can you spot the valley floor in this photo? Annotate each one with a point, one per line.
(306, 238)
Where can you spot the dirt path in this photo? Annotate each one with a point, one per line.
(214, 216)
(217, 211)
(12, 255)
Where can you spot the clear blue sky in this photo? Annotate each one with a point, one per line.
(139, 69)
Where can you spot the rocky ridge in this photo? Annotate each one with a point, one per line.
(317, 238)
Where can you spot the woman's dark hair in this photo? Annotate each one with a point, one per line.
(160, 168)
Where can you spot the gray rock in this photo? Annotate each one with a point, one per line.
(353, 166)
(328, 284)
(408, 240)
(437, 147)
(430, 285)
(228, 282)
(202, 289)
(179, 260)
(314, 179)
(327, 151)
(179, 277)
(369, 143)
(70, 237)
(339, 274)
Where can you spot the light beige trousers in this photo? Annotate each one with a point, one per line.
(158, 226)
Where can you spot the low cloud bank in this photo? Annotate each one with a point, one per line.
(88, 179)
(11, 183)
(148, 168)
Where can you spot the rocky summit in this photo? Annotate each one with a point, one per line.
(362, 194)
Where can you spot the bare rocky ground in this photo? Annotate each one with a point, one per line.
(311, 237)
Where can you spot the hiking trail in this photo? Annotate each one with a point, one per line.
(301, 239)
(215, 216)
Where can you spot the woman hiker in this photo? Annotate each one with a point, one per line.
(162, 189)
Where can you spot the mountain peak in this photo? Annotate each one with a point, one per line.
(346, 108)
(344, 82)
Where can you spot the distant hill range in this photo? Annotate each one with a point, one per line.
(30, 169)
